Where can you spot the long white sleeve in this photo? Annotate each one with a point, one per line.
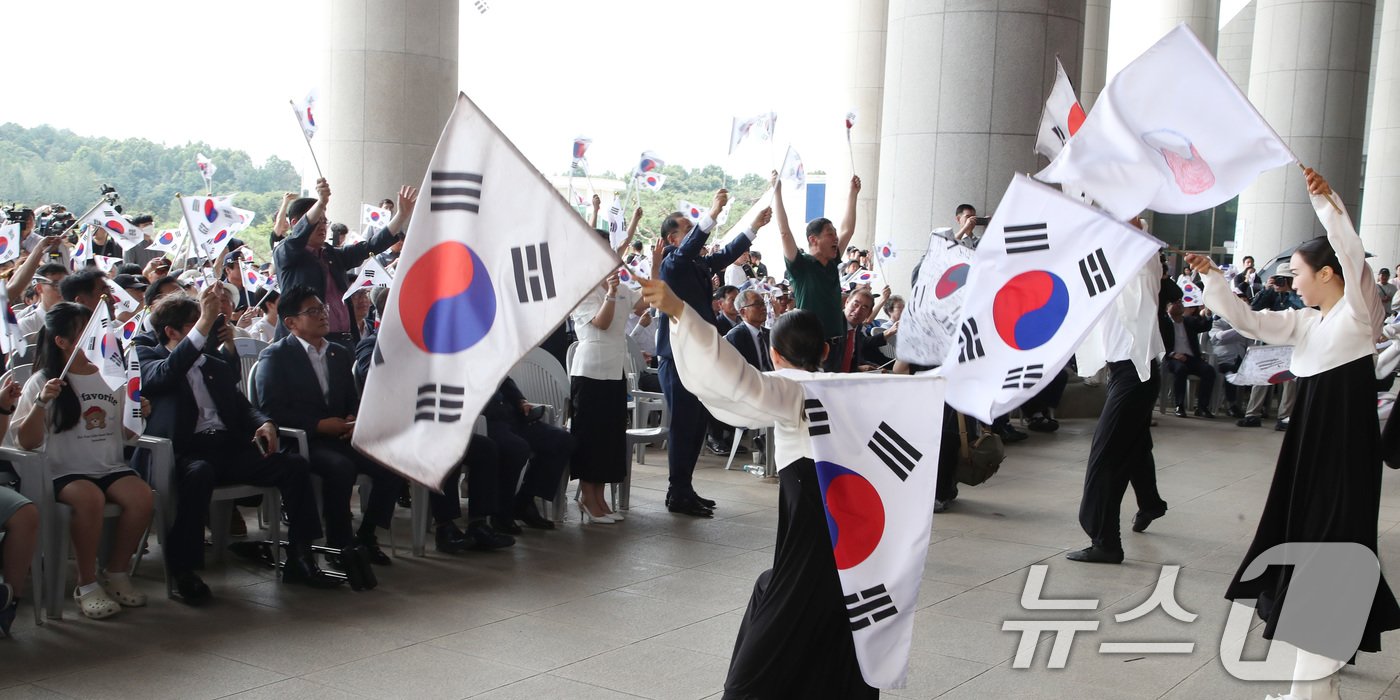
(733, 390)
(1273, 327)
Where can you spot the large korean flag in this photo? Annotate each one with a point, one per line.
(493, 260)
(878, 471)
(1171, 133)
(929, 325)
(1045, 271)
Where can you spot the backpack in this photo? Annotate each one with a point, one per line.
(981, 458)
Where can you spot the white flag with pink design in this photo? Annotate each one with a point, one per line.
(1171, 133)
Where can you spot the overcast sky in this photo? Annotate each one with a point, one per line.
(630, 74)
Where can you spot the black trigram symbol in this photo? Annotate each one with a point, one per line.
(970, 344)
(440, 403)
(367, 273)
(534, 274)
(481, 6)
(378, 358)
(817, 421)
(1023, 377)
(1027, 238)
(1060, 134)
(1098, 276)
(869, 607)
(894, 451)
(452, 190)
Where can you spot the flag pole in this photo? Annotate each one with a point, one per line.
(76, 350)
(307, 138)
(1328, 195)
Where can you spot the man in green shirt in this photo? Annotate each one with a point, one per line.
(815, 273)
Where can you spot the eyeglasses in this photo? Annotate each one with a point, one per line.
(313, 311)
(749, 306)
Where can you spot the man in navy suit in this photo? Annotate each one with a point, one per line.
(750, 338)
(305, 381)
(219, 439)
(689, 275)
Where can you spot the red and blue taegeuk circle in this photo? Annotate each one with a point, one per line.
(133, 389)
(447, 303)
(129, 329)
(855, 515)
(220, 236)
(374, 216)
(166, 237)
(114, 226)
(652, 181)
(1030, 308)
(4, 244)
(951, 281)
(1282, 377)
(211, 212)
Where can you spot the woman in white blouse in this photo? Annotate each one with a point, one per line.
(795, 640)
(1327, 482)
(599, 395)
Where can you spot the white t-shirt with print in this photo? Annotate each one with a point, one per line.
(93, 447)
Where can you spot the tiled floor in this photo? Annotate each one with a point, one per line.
(649, 608)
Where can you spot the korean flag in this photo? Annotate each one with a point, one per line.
(877, 470)
(1046, 270)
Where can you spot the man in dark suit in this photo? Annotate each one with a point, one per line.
(856, 344)
(689, 274)
(750, 338)
(305, 381)
(219, 439)
(728, 316)
(305, 259)
(521, 438)
(1180, 335)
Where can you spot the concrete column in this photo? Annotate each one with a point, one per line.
(861, 43)
(1380, 219)
(1138, 24)
(1235, 45)
(964, 87)
(387, 88)
(1093, 75)
(1308, 78)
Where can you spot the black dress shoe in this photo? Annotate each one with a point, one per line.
(370, 543)
(1096, 555)
(1142, 520)
(480, 536)
(1180, 412)
(531, 517)
(704, 501)
(1042, 423)
(450, 540)
(1009, 434)
(190, 589)
(501, 523)
(303, 570)
(1203, 413)
(690, 506)
(716, 447)
(1234, 412)
(1248, 422)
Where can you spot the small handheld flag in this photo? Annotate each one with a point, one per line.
(206, 170)
(793, 173)
(305, 112)
(649, 163)
(850, 150)
(9, 242)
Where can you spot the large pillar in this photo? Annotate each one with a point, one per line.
(1307, 77)
(1094, 72)
(861, 43)
(963, 94)
(1140, 23)
(1380, 219)
(1235, 45)
(387, 88)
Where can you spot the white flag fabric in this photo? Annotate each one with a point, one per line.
(1044, 272)
(1264, 365)
(122, 301)
(106, 216)
(649, 162)
(105, 263)
(491, 264)
(694, 212)
(213, 220)
(372, 275)
(758, 127)
(580, 154)
(206, 167)
(134, 326)
(11, 339)
(1171, 133)
(374, 217)
(306, 113)
(165, 241)
(99, 343)
(131, 414)
(1061, 117)
(9, 242)
(1191, 295)
(885, 252)
(82, 251)
(929, 325)
(651, 181)
(793, 173)
(865, 278)
(617, 224)
(877, 470)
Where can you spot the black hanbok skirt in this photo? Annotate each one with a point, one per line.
(1326, 488)
(795, 640)
(599, 426)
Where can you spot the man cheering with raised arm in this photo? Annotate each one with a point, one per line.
(305, 259)
(689, 274)
(816, 273)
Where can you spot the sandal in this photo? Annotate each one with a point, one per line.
(97, 604)
(119, 588)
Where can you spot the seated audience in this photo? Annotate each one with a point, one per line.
(1181, 336)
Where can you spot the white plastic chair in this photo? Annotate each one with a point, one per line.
(544, 382)
(248, 351)
(420, 495)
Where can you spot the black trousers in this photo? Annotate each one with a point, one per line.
(1121, 454)
(1181, 370)
(948, 452)
(222, 459)
(1232, 397)
(545, 447)
(1049, 397)
(338, 465)
(482, 463)
(689, 424)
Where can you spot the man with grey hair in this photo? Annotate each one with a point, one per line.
(749, 337)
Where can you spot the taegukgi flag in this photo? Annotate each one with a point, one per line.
(131, 409)
(929, 325)
(165, 241)
(372, 275)
(305, 110)
(1061, 117)
(372, 216)
(9, 242)
(493, 260)
(1171, 133)
(99, 343)
(878, 471)
(757, 127)
(206, 167)
(106, 217)
(1045, 271)
(793, 173)
(212, 221)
